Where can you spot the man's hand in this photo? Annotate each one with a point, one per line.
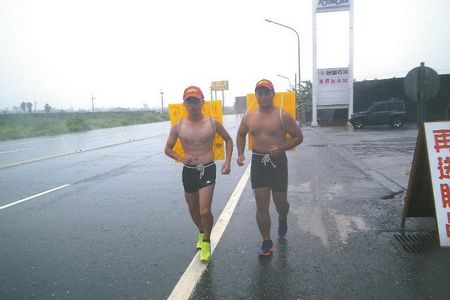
(240, 160)
(187, 159)
(274, 150)
(226, 168)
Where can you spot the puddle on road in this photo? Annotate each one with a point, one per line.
(314, 216)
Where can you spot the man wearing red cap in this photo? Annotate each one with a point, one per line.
(196, 133)
(268, 127)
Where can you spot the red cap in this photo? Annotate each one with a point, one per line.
(264, 83)
(193, 91)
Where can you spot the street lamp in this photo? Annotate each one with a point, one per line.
(299, 77)
(290, 84)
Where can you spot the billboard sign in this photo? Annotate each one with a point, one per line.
(333, 89)
(219, 85)
(332, 5)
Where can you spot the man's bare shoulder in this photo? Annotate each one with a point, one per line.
(251, 114)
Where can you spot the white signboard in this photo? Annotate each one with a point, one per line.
(219, 85)
(438, 146)
(332, 5)
(333, 88)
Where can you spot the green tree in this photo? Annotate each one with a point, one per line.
(29, 106)
(306, 98)
(47, 108)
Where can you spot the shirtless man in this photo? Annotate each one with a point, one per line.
(197, 133)
(268, 127)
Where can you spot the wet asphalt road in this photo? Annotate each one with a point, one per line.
(121, 228)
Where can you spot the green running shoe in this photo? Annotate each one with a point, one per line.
(205, 253)
(201, 236)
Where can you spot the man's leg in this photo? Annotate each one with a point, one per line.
(262, 196)
(192, 200)
(205, 200)
(282, 206)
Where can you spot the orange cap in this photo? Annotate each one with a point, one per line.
(264, 83)
(193, 91)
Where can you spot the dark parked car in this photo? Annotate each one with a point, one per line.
(391, 112)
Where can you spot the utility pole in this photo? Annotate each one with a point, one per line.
(92, 102)
(35, 104)
(162, 100)
(223, 100)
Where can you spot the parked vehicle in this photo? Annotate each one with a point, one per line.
(391, 112)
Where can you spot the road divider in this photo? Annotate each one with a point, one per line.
(23, 162)
(34, 196)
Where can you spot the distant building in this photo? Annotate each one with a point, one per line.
(240, 104)
(367, 92)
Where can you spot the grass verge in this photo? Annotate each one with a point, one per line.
(17, 126)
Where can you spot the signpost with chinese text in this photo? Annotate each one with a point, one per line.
(332, 88)
(430, 178)
(438, 146)
(219, 86)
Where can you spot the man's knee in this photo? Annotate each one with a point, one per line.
(205, 212)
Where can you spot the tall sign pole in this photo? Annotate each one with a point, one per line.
(314, 91)
(350, 62)
(323, 6)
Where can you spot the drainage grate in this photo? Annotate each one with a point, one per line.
(416, 243)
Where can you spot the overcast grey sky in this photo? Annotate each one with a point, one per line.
(124, 52)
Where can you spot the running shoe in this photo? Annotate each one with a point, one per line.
(266, 248)
(282, 227)
(201, 236)
(205, 252)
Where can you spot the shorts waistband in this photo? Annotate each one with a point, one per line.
(200, 165)
(200, 168)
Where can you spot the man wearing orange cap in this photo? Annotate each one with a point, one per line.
(268, 127)
(196, 133)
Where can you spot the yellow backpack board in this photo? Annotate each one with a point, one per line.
(210, 108)
(283, 100)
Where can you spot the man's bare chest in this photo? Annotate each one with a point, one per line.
(196, 134)
(264, 125)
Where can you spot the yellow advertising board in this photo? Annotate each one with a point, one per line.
(283, 100)
(211, 108)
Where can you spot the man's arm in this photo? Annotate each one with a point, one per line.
(292, 128)
(226, 168)
(171, 140)
(240, 140)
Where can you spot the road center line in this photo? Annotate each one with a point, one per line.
(194, 271)
(34, 196)
(73, 152)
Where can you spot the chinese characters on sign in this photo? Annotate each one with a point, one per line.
(333, 87)
(333, 76)
(219, 85)
(438, 145)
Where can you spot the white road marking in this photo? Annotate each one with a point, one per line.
(194, 271)
(19, 163)
(34, 196)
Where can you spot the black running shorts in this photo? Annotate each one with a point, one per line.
(271, 173)
(193, 179)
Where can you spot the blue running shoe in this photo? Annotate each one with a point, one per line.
(282, 227)
(266, 248)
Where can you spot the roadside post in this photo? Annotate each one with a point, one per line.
(421, 84)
